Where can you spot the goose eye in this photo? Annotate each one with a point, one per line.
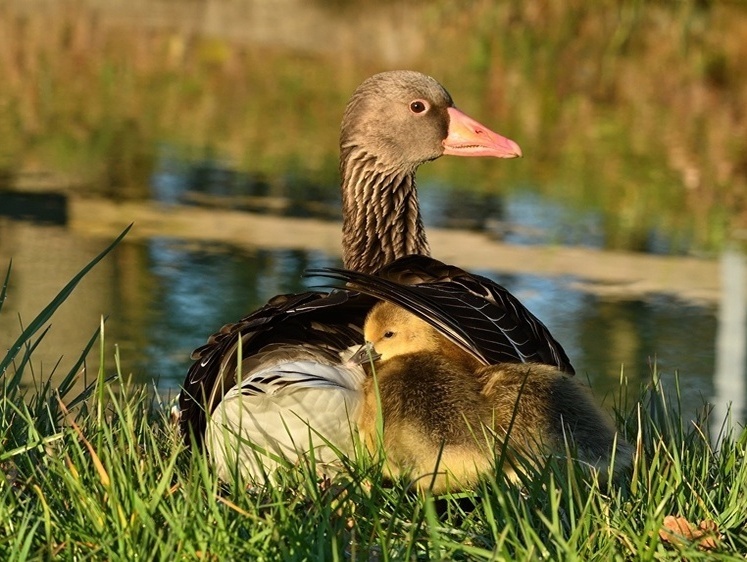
(418, 106)
(389, 334)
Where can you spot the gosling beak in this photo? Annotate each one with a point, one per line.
(467, 137)
(365, 354)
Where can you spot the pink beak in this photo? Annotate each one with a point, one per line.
(467, 137)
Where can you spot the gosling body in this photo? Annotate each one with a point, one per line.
(446, 416)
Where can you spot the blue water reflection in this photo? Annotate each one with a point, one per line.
(195, 289)
(169, 294)
(212, 181)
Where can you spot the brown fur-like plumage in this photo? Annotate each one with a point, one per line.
(445, 415)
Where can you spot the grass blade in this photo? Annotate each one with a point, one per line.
(4, 290)
(50, 309)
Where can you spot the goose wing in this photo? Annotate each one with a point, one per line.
(310, 327)
(474, 312)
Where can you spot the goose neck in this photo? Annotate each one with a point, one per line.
(381, 214)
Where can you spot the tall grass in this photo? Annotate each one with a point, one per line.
(103, 475)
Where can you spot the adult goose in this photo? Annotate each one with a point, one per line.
(447, 412)
(276, 384)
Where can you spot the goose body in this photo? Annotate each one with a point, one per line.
(276, 385)
(277, 409)
(278, 380)
(446, 415)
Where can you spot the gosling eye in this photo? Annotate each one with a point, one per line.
(388, 334)
(418, 106)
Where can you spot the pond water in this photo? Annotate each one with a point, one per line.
(164, 295)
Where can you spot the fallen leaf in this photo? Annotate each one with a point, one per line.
(678, 530)
(710, 534)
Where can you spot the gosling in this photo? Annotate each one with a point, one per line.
(445, 414)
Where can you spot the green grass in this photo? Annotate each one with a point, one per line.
(102, 475)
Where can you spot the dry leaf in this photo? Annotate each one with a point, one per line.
(678, 530)
(710, 537)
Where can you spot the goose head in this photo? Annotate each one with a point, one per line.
(404, 118)
(394, 122)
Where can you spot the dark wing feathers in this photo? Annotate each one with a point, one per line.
(326, 322)
(474, 312)
(409, 297)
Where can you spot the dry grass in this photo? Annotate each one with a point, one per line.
(633, 107)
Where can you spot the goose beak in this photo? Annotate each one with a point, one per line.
(467, 137)
(365, 354)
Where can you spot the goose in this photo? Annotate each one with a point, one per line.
(445, 413)
(277, 384)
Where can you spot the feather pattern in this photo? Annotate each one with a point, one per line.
(375, 233)
(310, 326)
(285, 411)
(477, 314)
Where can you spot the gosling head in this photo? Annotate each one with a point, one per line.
(390, 331)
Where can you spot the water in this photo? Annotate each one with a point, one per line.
(164, 295)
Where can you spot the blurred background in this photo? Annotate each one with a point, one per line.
(212, 125)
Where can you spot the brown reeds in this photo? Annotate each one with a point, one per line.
(634, 107)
